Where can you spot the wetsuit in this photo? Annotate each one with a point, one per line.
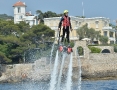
(65, 27)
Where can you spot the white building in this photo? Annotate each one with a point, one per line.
(98, 23)
(20, 14)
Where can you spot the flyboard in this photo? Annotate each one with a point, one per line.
(64, 46)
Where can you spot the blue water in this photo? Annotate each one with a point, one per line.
(86, 85)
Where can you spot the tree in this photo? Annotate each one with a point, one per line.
(85, 32)
(103, 39)
(82, 31)
(5, 17)
(47, 14)
(36, 32)
(15, 39)
(113, 26)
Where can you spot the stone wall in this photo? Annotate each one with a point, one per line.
(110, 48)
(39, 70)
(98, 65)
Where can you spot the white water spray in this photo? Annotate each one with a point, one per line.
(69, 75)
(60, 74)
(51, 57)
(54, 74)
(80, 71)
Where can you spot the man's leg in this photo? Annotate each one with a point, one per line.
(67, 34)
(63, 34)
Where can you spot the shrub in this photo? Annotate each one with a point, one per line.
(94, 49)
(115, 48)
(80, 50)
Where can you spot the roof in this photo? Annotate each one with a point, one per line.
(28, 14)
(19, 3)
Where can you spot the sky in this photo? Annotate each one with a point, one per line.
(92, 8)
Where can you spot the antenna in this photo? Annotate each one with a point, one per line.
(82, 8)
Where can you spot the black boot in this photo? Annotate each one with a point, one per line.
(68, 40)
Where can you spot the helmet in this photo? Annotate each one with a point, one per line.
(66, 11)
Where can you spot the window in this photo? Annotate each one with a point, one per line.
(20, 17)
(105, 23)
(97, 24)
(79, 23)
(105, 33)
(19, 10)
(111, 42)
(111, 34)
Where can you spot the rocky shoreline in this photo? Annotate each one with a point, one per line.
(45, 76)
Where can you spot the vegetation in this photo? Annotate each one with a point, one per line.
(5, 17)
(48, 14)
(113, 26)
(80, 51)
(17, 39)
(94, 49)
(85, 32)
(103, 40)
(115, 48)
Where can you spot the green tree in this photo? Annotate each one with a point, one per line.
(85, 32)
(5, 17)
(23, 26)
(15, 39)
(103, 39)
(48, 14)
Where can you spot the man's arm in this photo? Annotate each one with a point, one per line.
(70, 23)
(60, 23)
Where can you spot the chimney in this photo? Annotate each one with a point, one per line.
(30, 12)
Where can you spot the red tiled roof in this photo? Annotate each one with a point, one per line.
(19, 4)
(28, 14)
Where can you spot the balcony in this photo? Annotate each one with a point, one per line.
(108, 28)
(111, 38)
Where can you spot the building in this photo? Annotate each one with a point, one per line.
(20, 14)
(98, 23)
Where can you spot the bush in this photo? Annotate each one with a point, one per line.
(72, 44)
(80, 51)
(115, 48)
(94, 49)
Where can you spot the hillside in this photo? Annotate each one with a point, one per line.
(5, 16)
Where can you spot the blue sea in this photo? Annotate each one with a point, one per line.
(86, 85)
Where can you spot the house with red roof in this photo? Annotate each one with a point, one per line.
(20, 14)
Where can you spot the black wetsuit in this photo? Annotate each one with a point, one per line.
(65, 29)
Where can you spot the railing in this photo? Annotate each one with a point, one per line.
(112, 38)
(107, 27)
